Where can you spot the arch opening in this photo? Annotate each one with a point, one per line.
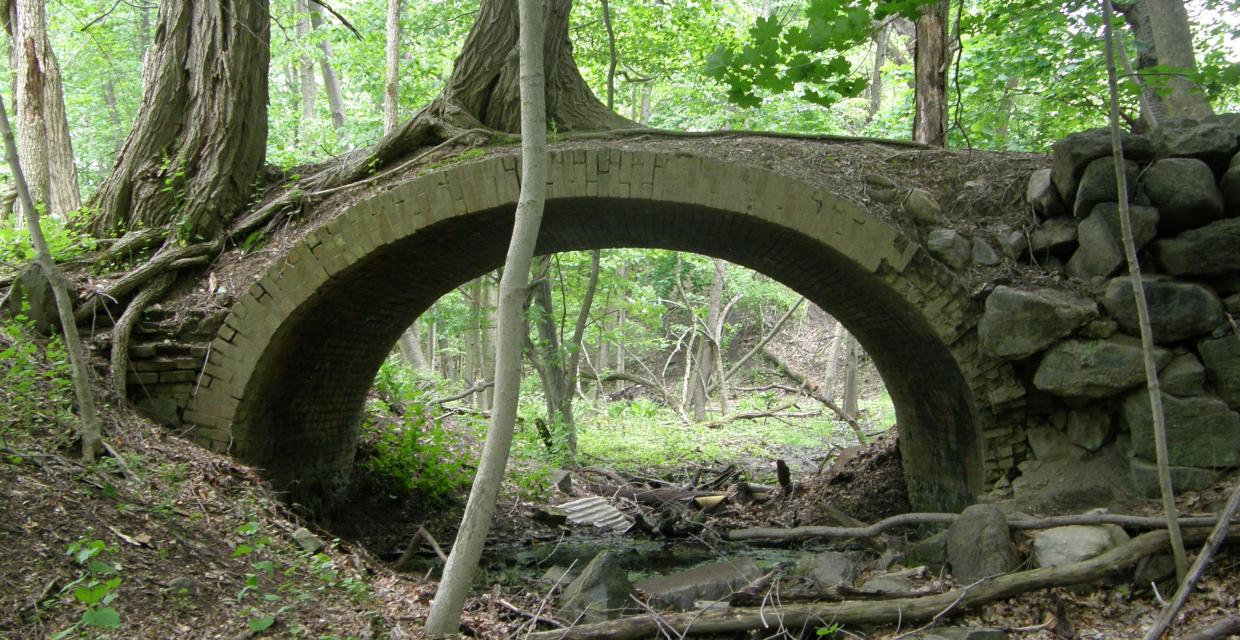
(298, 414)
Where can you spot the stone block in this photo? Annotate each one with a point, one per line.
(1221, 359)
(1071, 155)
(1177, 310)
(1018, 323)
(1094, 368)
(1201, 431)
(1183, 191)
(1098, 185)
(1210, 250)
(1143, 475)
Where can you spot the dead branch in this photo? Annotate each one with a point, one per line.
(481, 385)
(775, 329)
(1167, 617)
(912, 519)
(777, 412)
(1221, 629)
(862, 612)
(814, 390)
(412, 549)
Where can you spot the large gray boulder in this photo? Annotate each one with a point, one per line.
(1042, 195)
(1094, 368)
(923, 207)
(828, 569)
(1090, 428)
(1061, 546)
(1211, 142)
(600, 593)
(1184, 192)
(1018, 323)
(1072, 154)
(1101, 250)
(953, 249)
(1221, 358)
(979, 544)
(1211, 250)
(1201, 431)
(1177, 310)
(680, 591)
(1184, 376)
(984, 255)
(1098, 185)
(1143, 474)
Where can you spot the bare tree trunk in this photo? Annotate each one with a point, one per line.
(838, 337)
(704, 362)
(331, 84)
(851, 372)
(486, 351)
(1003, 126)
(473, 339)
(1137, 17)
(611, 56)
(645, 115)
(309, 86)
(201, 132)
(930, 70)
(43, 127)
(1174, 41)
(445, 611)
(876, 75)
(411, 349)
(114, 115)
(88, 428)
(391, 88)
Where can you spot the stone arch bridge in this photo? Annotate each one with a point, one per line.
(276, 369)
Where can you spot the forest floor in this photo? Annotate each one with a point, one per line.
(169, 540)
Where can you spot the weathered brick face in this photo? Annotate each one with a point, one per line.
(289, 367)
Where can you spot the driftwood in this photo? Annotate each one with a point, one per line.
(861, 612)
(914, 519)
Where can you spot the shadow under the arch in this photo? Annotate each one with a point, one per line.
(299, 416)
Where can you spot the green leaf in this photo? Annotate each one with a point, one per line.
(92, 594)
(261, 624)
(102, 617)
(242, 550)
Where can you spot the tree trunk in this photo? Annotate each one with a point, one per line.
(1174, 41)
(1137, 18)
(391, 88)
(876, 74)
(43, 128)
(1003, 125)
(309, 86)
(88, 427)
(704, 362)
(200, 135)
(411, 349)
(114, 115)
(838, 337)
(331, 84)
(851, 372)
(445, 611)
(930, 70)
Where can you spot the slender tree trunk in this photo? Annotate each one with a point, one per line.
(647, 90)
(473, 339)
(611, 56)
(309, 86)
(1174, 41)
(331, 83)
(43, 127)
(930, 70)
(839, 337)
(1003, 126)
(199, 138)
(1137, 18)
(486, 351)
(445, 612)
(411, 349)
(114, 116)
(391, 88)
(1143, 314)
(704, 363)
(88, 426)
(876, 74)
(852, 369)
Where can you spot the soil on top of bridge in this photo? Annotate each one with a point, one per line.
(981, 193)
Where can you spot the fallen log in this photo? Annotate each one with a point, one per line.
(916, 519)
(814, 390)
(854, 612)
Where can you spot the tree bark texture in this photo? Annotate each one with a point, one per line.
(1169, 24)
(930, 71)
(704, 362)
(1137, 17)
(309, 85)
(201, 132)
(391, 87)
(42, 125)
(445, 611)
(876, 74)
(331, 82)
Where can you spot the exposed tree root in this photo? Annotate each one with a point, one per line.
(168, 259)
(124, 329)
(795, 617)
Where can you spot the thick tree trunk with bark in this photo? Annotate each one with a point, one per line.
(1137, 18)
(43, 127)
(930, 70)
(200, 135)
(1169, 24)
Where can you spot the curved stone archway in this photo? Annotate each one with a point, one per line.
(288, 372)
